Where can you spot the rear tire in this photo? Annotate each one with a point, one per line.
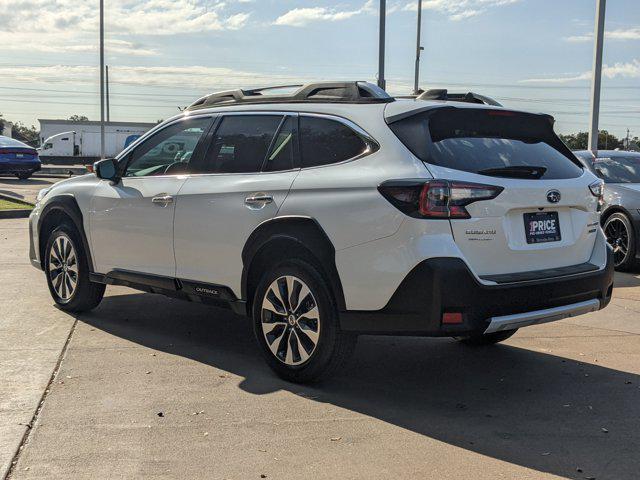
(67, 271)
(621, 236)
(23, 176)
(486, 338)
(296, 323)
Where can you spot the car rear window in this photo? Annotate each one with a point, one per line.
(497, 143)
(618, 169)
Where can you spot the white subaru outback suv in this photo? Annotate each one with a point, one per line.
(334, 211)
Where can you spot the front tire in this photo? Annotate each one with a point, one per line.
(621, 236)
(486, 338)
(67, 271)
(296, 324)
(23, 176)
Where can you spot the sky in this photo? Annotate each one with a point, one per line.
(534, 55)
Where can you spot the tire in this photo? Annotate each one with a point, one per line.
(621, 236)
(66, 260)
(23, 176)
(486, 338)
(298, 359)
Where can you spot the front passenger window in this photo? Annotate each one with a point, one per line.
(169, 151)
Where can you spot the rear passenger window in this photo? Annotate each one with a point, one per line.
(241, 143)
(324, 141)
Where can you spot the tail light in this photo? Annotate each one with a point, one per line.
(436, 198)
(597, 190)
(24, 151)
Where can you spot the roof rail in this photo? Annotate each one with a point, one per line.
(443, 94)
(321, 92)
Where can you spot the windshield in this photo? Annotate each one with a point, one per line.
(618, 169)
(489, 142)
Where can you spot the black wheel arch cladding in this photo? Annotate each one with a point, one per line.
(58, 209)
(284, 237)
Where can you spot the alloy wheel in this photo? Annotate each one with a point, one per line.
(63, 267)
(618, 237)
(290, 320)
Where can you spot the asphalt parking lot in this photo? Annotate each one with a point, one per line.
(149, 387)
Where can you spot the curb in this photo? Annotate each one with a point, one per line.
(61, 170)
(16, 213)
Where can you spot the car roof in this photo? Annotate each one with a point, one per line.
(11, 142)
(606, 153)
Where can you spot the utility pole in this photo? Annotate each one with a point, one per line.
(626, 147)
(416, 86)
(383, 16)
(101, 79)
(597, 74)
(106, 74)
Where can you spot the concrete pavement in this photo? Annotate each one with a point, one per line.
(26, 190)
(150, 387)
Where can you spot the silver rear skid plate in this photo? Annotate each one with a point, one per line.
(509, 322)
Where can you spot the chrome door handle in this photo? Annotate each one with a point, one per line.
(162, 200)
(258, 200)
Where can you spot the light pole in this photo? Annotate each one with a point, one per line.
(419, 48)
(106, 81)
(597, 74)
(101, 79)
(383, 14)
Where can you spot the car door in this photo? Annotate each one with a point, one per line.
(131, 221)
(242, 181)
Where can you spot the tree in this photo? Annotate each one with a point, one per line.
(29, 135)
(78, 118)
(580, 141)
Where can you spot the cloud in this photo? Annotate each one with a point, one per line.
(71, 26)
(618, 70)
(458, 10)
(300, 17)
(206, 79)
(632, 33)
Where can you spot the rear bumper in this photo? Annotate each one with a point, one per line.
(19, 167)
(440, 285)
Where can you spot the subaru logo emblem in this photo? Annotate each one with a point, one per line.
(553, 196)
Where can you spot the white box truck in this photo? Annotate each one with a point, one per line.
(68, 142)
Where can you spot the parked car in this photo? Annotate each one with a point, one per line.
(17, 158)
(620, 219)
(333, 211)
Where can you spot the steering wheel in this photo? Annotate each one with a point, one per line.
(176, 167)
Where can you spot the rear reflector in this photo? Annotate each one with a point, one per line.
(451, 318)
(435, 199)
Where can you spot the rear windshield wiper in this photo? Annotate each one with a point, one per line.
(516, 171)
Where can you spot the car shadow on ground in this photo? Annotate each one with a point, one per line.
(528, 408)
(627, 279)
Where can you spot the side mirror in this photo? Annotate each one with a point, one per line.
(107, 169)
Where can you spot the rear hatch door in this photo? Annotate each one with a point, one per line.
(544, 218)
